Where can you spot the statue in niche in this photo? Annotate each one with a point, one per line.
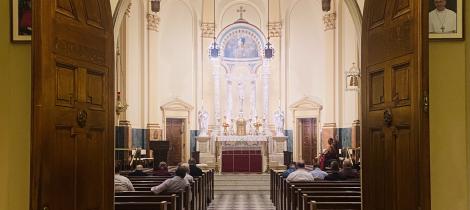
(203, 117)
(279, 121)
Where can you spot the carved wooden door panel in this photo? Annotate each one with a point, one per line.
(309, 140)
(174, 135)
(395, 147)
(73, 115)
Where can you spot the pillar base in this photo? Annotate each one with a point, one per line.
(356, 134)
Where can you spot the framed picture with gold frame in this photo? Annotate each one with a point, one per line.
(446, 19)
(21, 20)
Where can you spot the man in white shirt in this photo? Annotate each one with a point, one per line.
(121, 183)
(442, 20)
(173, 185)
(188, 177)
(317, 173)
(301, 174)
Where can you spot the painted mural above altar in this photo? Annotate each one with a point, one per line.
(242, 47)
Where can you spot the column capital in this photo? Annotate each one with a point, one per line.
(208, 30)
(329, 20)
(128, 10)
(274, 29)
(153, 22)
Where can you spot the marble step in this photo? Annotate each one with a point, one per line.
(243, 177)
(237, 192)
(241, 187)
(242, 182)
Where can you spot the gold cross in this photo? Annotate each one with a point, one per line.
(241, 11)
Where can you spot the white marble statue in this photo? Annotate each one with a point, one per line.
(279, 121)
(203, 118)
(241, 95)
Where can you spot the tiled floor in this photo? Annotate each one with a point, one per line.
(242, 201)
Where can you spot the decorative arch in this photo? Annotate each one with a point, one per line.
(241, 42)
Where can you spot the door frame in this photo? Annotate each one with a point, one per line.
(183, 135)
(302, 109)
(179, 109)
(299, 130)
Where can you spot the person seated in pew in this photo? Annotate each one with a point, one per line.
(348, 172)
(121, 183)
(291, 168)
(173, 185)
(317, 173)
(301, 174)
(188, 177)
(162, 170)
(335, 175)
(193, 169)
(139, 171)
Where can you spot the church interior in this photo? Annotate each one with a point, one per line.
(235, 94)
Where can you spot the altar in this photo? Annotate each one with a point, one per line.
(242, 154)
(241, 136)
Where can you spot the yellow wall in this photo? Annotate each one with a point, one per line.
(15, 83)
(448, 116)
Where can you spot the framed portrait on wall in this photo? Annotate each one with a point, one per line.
(446, 19)
(21, 20)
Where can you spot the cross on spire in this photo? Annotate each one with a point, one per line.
(241, 11)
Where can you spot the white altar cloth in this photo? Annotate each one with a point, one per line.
(243, 138)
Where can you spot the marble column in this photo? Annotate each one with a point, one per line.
(253, 112)
(153, 126)
(229, 98)
(329, 127)
(216, 74)
(266, 75)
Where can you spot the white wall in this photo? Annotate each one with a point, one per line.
(176, 59)
(349, 54)
(298, 70)
(306, 57)
(135, 66)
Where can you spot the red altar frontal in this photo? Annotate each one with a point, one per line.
(242, 161)
(242, 154)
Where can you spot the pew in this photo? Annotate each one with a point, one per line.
(202, 193)
(141, 205)
(285, 195)
(174, 202)
(306, 199)
(313, 205)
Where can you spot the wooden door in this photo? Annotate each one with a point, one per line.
(309, 140)
(395, 148)
(73, 110)
(174, 134)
